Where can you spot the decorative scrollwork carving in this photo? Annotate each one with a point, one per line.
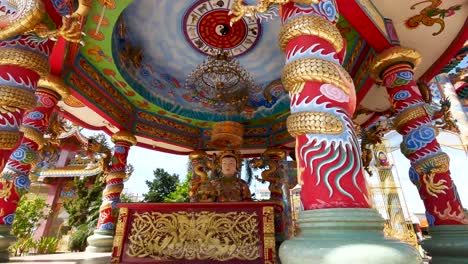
(194, 236)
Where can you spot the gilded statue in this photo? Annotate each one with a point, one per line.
(269, 163)
(228, 187)
(371, 136)
(445, 116)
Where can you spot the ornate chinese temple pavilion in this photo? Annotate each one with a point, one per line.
(216, 80)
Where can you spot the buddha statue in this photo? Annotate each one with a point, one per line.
(229, 187)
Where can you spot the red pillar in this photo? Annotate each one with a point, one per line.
(323, 101)
(429, 164)
(23, 59)
(123, 140)
(34, 124)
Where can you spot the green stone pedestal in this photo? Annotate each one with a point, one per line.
(100, 241)
(350, 236)
(6, 240)
(448, 244)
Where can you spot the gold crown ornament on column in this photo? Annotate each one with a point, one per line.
(227, 135)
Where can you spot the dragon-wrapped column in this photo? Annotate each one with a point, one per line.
(23, 60)
(430, 170)
(15, 177)
(323, 100)
(102, 239)
(199, 164)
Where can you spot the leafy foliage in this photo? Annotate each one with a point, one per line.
(161, 186)
(28, 214)
(83, 212)
(22, 246)
(80, 207)
(77, 241)
(125, 198)
(181, 193)
(47, 245)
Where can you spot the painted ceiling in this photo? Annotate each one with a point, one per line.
(138, 55)
(186, 33)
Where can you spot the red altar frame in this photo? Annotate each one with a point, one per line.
(264, 212)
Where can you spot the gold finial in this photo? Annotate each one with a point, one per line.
(125, 136)
(275, 152)
(197, 154)
(392, 56)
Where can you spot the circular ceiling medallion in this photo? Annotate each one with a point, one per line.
(206, 27)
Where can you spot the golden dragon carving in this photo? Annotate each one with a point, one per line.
(267, 175)
(26, 19)
(239, 9)
(369, 137)
(445, 117)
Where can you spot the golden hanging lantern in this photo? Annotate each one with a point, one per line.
(227, 135)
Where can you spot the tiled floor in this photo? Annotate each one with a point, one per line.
(65, 258)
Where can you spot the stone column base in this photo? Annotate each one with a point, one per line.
(348, 235)
(100, 241)
(448, 244)
(6, 240)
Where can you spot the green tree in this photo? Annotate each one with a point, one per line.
(125, 198)
(161, 186)
(83, 212)
(181, 193)
(80, 207)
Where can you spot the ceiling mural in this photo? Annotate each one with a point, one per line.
(139, 55)
(156, 63)
(430, 14)
(206, 26)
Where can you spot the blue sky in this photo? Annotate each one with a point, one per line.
(146, 161)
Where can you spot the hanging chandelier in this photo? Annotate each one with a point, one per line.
(221, 83)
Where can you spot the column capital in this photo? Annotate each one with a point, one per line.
(197, 154)
(54, 83)
(275, 153)
(394, 56)
(124, 136)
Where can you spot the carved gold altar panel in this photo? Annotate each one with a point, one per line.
(199, 233)
(388, 199)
